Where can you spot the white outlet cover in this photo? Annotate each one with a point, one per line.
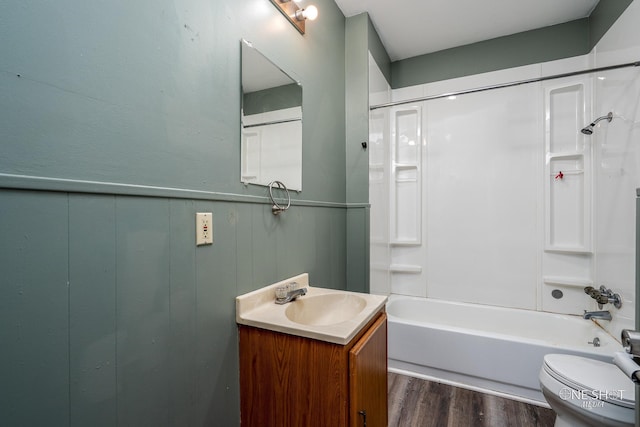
(204, 228)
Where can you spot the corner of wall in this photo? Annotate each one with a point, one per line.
(603, 17)
(378, 52)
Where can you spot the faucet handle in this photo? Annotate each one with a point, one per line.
(606, 296)
(616, 300)
(282, 291)
(592, 292)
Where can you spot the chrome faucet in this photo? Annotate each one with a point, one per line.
(604, 315)
(604, 296)
(289, 292)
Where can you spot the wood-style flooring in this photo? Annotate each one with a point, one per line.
(414, 402)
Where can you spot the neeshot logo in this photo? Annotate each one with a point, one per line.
(591, 398)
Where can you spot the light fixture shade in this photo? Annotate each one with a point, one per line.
(310, 12)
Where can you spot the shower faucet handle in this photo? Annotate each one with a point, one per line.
(592, 292)
(610, 296)
(604, 296)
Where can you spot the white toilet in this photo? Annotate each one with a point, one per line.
(587, 392)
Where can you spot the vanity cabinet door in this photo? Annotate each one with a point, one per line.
(290, 381)
(368, 377)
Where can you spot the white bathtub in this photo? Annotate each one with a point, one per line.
(492, 349)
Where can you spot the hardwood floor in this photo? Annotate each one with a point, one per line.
(414, 402)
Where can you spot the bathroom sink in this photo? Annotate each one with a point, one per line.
(323, 314)
(327, 309)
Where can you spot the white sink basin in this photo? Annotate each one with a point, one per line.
(327, 309)
(323, 314)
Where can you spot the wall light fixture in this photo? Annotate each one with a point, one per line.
(295, 14)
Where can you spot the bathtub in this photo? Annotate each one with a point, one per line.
(491, 349)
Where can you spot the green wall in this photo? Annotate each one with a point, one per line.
(361, 39)
(530, 47)
(603, 17)
(560, 41)
(119, 122)
(357, 158)
(272, 99)
(378, 51)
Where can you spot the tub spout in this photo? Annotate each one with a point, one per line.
(603, 315)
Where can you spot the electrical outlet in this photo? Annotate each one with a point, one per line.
(204, 228)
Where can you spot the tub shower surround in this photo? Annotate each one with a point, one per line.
(491, 197)
(494, 205)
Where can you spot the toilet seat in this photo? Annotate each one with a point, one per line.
(591, 378)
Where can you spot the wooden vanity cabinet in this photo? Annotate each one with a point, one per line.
(292, 381)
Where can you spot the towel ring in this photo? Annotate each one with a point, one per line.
(277, 209)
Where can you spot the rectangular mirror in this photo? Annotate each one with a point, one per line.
(271, 122)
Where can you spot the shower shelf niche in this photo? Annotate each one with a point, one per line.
(406, 193)
(568, 204)
(567, 172)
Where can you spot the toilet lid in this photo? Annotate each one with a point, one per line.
(593, 378)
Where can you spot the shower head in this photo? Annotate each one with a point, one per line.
(589, 129)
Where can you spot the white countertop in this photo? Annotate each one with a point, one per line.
(258, 309)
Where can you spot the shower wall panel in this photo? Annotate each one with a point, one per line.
(379, 173)
(483, 162)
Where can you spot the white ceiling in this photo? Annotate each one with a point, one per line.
(414, 27)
